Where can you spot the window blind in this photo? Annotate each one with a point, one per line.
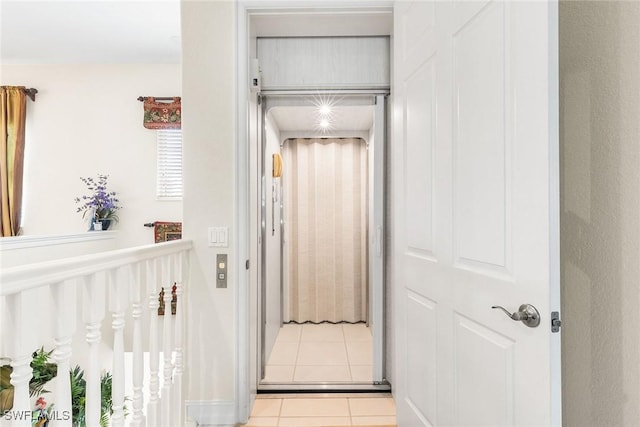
(169, 168)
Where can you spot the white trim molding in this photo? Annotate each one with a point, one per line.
(21, 242)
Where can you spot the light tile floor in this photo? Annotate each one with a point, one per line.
(321, 353)
(326, 411)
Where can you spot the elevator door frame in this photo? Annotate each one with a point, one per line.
(375, 258)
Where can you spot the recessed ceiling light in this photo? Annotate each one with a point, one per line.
(325, 109)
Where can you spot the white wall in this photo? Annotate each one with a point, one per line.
(85, 121)
(20, 250)
(209, 103)
(600, 222)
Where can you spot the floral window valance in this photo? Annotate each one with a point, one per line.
(162, 113)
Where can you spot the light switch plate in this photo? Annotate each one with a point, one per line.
(218, 237)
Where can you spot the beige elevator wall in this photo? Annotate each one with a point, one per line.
(272, 240)
(600, 211)
(325, 187)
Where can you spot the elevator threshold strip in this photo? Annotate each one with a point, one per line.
(383, 387)
(325, 322)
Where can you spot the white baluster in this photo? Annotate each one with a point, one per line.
(177, 377)
(20, 377)
(64, 298)
(93, 313)
(167, 329)
(138, 362)
(17, 323)
(154, 381)
(118, 281)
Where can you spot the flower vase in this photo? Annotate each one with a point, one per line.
(92, 214)
(102, 224)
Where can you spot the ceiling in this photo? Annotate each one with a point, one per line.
(148, 31)
(107, 31)
(307, 119)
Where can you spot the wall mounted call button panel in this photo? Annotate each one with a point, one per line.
(221, 271)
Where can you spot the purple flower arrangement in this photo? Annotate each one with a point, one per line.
(102, 203)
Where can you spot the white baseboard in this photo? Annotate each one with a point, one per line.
(216, 413)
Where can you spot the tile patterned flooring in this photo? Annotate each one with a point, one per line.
(327, 410)
(321, 353)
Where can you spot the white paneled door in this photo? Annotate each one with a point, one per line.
(475, 212)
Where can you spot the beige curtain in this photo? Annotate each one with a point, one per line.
(13, 107)
(325, 198)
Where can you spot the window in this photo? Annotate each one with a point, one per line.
(169, 169)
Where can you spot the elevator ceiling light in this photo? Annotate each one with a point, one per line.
(325, 109)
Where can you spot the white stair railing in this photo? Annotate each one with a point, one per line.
(166, 351)
(93, 314)
(118, 303)
(154, 352)
(64, 293)
(179, 261)
(108, 285)
(138, 359)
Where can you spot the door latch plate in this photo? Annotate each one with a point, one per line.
(555, 321)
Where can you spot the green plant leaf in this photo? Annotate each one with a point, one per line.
(78, 391)
(106, 405)
(43, 371)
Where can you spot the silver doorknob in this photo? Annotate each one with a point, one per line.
(527, 314)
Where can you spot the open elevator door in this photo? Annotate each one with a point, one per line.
(375, 223)
(347, 67)
(376, 237)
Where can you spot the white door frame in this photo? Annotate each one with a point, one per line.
(245, 385)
